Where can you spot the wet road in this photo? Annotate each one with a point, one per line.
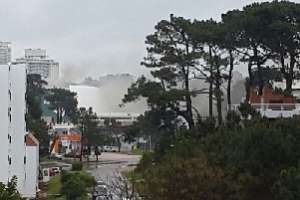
(111, 163)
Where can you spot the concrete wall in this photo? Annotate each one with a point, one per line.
(4, 121)
(13, 158)
(32, 171)
(18, 125)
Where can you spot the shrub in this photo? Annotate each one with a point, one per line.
(77, 166)
(75, 184)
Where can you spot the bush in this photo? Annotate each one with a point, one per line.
(77, 166)
(9, 191)
(145, 162)
(75, 184)
(257, 161)
(288, 185)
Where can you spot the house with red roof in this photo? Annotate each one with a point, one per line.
(273, 104)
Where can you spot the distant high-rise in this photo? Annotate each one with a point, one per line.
(5, 53)
(38, 62)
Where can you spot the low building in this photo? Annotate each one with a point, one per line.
(32, 166)
(66, 140)
(272, 104)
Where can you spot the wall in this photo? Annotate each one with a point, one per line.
(13, 129)
(18, 125)
(4, 123)
(32, 171)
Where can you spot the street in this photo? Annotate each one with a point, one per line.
(111, 163)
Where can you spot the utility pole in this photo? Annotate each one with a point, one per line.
(81, 142)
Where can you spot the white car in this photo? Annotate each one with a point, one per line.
(110, 148)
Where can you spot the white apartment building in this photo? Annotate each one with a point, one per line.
(13, 160)
(38, 62)
(5, 53)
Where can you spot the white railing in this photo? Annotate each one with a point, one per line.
(274, 110)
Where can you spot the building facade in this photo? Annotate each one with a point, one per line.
(13, 160)
(272, 104)
(65, 140)
(5, 53)
(38, 62)
(32, 166)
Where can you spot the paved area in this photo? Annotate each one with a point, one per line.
(111, 163)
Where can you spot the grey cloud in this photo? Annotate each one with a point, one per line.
(99, 36)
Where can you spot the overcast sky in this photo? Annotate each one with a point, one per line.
(96, 37)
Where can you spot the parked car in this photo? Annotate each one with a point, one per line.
(54, 171)
(110, 148)
(100, 191)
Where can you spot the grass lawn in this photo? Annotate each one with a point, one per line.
(54, 187)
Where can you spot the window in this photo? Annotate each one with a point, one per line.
(9, 93)
(24, 159)
(9, 160)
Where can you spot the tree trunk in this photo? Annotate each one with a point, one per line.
(290, 75)
(210, 91)
(218, 94)
(231, 64)
(250, 72)
(189, 108)
(259, 71)
(57, 115)
(260, 79)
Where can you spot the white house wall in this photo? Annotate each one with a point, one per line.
(13, 160)
(4, 133)
(18, 124)
(32, 171)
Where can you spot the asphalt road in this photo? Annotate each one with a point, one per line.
(111, 163)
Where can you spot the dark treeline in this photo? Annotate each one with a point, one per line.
(235, 158)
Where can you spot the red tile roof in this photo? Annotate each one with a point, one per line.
(269, 96)
(31, 140)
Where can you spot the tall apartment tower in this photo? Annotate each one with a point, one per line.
(5, 53)
(13, 154)
(38, 62)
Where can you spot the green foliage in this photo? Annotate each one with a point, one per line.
(206, 126)
(88, 124)
(35, 92)
(40, 130)
(186, 179)
(246, 158)
(233, 119)
(9, 191)
(64, 102)
(282, 92)
(146, 161)
(247, 111)
(288, 184)
(77, 166)
(75, 184)
(258, 161)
